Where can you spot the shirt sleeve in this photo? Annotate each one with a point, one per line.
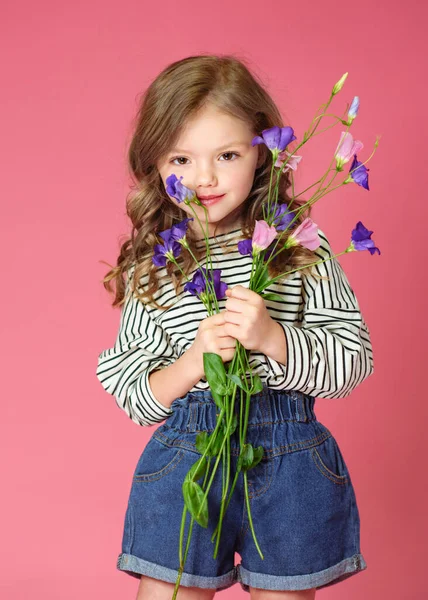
(330, 353)
(141, 347)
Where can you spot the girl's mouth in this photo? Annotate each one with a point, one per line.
(211, 200)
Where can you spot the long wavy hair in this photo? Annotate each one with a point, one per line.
(176, 94)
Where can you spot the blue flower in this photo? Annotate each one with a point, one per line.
(167, 251)
(173, 238)
(275, 138)
(353, 110)
(360, 175)
(178, 190)
(361, 239)
(179, 230)
(246, 247)
(282, 217)
(198, 283)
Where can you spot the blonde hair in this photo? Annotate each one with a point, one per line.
(177, 93)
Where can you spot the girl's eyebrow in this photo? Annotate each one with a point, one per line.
(216, 150)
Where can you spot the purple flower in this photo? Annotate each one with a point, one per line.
(179, 230)
(173, 239)
(361, 239)
(166, 251)
(178, 190)
(246, 247)
(275, 138)
(198, 283)
(360, 175)
(282, 217)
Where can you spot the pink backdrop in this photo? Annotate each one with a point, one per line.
(70, 78)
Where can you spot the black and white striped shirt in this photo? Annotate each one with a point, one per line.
(329, 351)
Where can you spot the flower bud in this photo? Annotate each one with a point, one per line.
(353, 110)
(339, 84)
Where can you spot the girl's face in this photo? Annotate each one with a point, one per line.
(214, 155)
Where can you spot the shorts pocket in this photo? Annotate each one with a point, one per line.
(156, 461)
(329, 461)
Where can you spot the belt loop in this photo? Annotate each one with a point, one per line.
(303, 411)
(299, 406)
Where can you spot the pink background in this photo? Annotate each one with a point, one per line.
(70, 79)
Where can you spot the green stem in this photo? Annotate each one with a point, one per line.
(270, 186)
(227, 503)
(209, 260)
(245, 368)
(219, 454)
(250, 518)
(306, 138)
(228, 458)
(181, 567)
(224, 503)
(306, 266)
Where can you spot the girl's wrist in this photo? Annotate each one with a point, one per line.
(195, 362)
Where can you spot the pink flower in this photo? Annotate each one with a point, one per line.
(292, 163)
(306, 235)
(263, 235)
(346, 149)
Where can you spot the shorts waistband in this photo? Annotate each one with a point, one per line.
(197, 410)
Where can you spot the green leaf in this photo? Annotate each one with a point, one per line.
(238, 381)
(221, 389)
(214, 370)
(195, 503)
(233, 425)
(201, 441)
(246, 457)
(272, 296)
(197, 470)
(217, 399)
(215, 449)
(257, 385)
(258, 455)
(263, 280)
(216, 376)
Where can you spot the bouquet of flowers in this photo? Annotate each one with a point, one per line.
(207, 285)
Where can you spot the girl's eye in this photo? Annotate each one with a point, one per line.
(182, 157)
(230, 153)
(177, 158)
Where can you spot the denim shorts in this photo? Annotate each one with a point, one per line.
(302, 501)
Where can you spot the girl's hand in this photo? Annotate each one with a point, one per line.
(247, 318)
(212, 337)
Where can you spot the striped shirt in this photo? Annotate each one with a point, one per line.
(328, 343)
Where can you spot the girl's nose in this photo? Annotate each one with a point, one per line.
(206, 177)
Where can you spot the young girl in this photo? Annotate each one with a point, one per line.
(197, 120)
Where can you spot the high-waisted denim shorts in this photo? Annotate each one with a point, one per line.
(302, 500)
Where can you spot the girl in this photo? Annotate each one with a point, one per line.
(197, 120)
